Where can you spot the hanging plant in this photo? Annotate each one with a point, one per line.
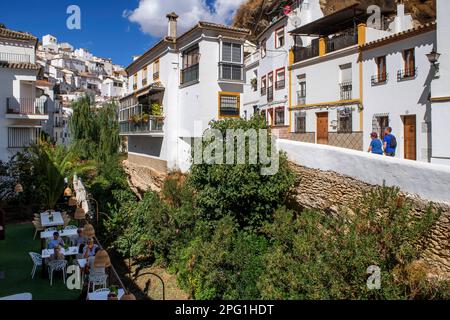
(145, 118)
(157, 110)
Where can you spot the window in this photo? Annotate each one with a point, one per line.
(144, 76)
(300, 122)
(379, 123)
(280, 79)
(279, 116)
(301, 94)
(135, 80)
(263, 48)
(231, 68)
(270, 87)
(346, 81)
(191, 60)
(22, 137)
(345, 120)
(381, 75)
(264, 86)
(229, 104)
(279, 38)
(409, 64)
(156, 70)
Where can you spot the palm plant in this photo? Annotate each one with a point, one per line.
(51, 164)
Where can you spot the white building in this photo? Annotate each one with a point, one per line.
(25, 108)
(177, 87)
(440, 88)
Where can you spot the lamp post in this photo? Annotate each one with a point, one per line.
(96, 207)
(433, 58)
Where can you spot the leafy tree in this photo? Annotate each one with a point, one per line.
(84, 129)
(240, 190)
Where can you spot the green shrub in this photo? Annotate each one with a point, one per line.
(226, 265)
(240, 190)
(317, 256)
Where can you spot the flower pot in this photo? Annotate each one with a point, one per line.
(112, 296)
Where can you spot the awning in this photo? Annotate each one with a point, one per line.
(337, 21)
(150, 89)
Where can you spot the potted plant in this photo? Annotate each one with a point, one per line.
(113, 293)
(157, 110)
(145, 118)
(135, 119)
(254, 83)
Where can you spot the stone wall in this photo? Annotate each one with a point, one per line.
(329, 191)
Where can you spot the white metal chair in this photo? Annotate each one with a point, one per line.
(97, 279)
(57, 265)
(37, 225)
(37, 262)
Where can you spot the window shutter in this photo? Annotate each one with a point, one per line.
(226, 52)
(236, 53)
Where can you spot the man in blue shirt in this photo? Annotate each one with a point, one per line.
(56, 241)
(390, 142)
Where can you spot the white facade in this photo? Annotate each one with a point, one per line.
(440, 88)
(24, 111)
(191, 82)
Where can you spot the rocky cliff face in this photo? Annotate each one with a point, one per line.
(257, 14)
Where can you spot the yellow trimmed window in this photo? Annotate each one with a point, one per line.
(229, 104)
(135, 81)
(144, 76)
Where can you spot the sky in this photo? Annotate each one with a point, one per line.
(116, 29)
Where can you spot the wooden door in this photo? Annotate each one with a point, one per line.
(322, 128)
(410, 137)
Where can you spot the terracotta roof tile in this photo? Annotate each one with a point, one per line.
(398, 36)
(13, 65)
(11, 34)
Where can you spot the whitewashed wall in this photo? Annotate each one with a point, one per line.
(429, 181)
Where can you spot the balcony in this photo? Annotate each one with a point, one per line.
(263, 91)
(379, 79)
(346, 39)
(346, 90)
(270, 94)
(156, 76)
(231, 71)
(301, 98)
(15, 57)
(280, 84)
(30, 108)
(305, 53)
(407, 74)
(151, 126)
(190, 74)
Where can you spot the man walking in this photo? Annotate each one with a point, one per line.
(389, 142)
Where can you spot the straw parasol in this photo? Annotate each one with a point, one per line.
(88, 230)
(102, 259)
(80, 214)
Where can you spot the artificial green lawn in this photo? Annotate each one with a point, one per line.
(16, 265)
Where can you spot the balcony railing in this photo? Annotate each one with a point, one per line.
(15, 57)
(144, 82)
(379, 79)
(301, 98)
(155, 76)
(406, 74)
(305, 53)
(263, 91)
(280, 84)
(231, 71)
(26, 106)
(270, 94)
(190, 74)
(153, 124)
(346, 90)
(347, 39)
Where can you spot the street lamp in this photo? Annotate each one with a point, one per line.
(433, 57)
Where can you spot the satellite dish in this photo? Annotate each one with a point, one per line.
(295, 20)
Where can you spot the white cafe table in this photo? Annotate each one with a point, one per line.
(103, 295)
(56, 221)
(71, 251)
(62, 233)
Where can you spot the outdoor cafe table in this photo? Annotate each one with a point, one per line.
(71, 251)
(62, 233)
(103, 295)
(57, 219)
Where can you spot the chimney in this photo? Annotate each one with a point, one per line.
(172, 32)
